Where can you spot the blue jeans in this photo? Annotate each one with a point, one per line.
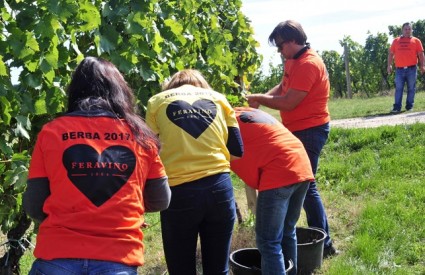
(205, 207)
(278, 211)
(403, 76)
(80, 267)
(313, 140)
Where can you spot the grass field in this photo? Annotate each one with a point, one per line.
(361, 107)
(372, 182)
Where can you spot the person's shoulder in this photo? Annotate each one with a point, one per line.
(57, 120)
(309, 54)
(311, 59)
(417, 40)
(204, 92)
(53, 125)
(156, 98)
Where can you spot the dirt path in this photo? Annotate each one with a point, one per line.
(379, 120)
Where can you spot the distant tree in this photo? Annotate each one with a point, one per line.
(264, 82)
(355, 57)
(335, 66)
(375, 59)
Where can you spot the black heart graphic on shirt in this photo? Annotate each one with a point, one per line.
(193, 119)
(256, 116)
(98, 177)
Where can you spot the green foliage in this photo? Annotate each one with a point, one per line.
(336, 68)
(44, 40)
(262, 83)
(375, 56)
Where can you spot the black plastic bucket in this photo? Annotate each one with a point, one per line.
(310, 242)
(247, 261)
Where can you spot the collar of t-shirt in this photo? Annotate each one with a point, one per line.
(97, 112)
(303, 50)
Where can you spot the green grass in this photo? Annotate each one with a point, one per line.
(376, 176)
(360, 107)
(372, 182)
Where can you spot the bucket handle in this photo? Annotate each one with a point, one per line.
(314, 241)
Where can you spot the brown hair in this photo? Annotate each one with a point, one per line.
(287, 31)
(188, 76)
(407, 24)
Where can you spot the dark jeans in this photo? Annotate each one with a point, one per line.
(278, 211)
(403, 76)
(314, 139)
(205, 207)
(80, 267)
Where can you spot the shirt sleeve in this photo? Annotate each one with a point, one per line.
(156, 195)
(157, 169)
(35, 195)
(305, 77)
(392, 48)
(37, 166)
(419, 46)
(234, 142)
(231, 120)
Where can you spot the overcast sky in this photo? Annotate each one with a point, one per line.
(326, 22)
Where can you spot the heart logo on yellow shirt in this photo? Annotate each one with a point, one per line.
(194, 118)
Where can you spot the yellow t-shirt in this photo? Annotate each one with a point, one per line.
(192, 125)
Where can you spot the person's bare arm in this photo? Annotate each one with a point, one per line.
(390, 62)
(421, 61)
(273, 91)
(284, 103)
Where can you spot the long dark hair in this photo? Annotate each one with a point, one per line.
(97, 84)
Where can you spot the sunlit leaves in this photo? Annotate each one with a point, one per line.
(40, 106)
(177, 29)
(148, 40)
(6, 110)
(52, 54)
(47, 26)
(23, 44)
(88, 14)
(3, 69)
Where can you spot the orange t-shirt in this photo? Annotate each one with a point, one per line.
(96, 174)
(306, 73)
(273, 157)
(405, 50)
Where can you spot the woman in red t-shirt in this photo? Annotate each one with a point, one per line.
(94, 172)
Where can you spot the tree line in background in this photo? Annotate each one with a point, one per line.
(42, 41)
(367, 66)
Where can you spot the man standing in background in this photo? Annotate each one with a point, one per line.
(302, 99)
(405, 50)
